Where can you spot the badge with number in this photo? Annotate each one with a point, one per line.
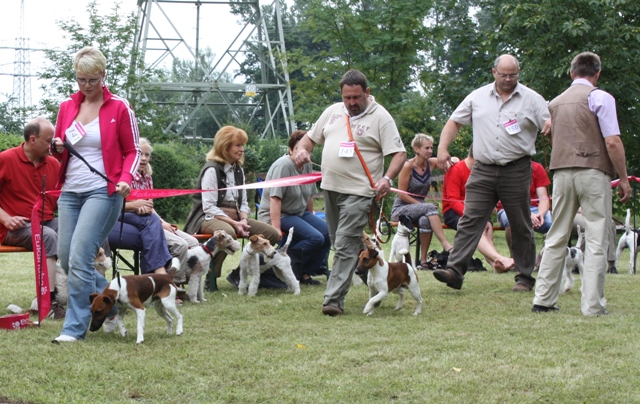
(346, 149)
(512, 127)
(75, 132)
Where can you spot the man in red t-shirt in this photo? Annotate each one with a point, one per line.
(22, 170)
(540, 204)
(453, 194)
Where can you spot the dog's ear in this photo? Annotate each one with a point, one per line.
(253, 238)
(92, 296)
(373, 253)
(108, 300)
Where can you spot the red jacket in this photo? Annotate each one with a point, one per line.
(118, 132)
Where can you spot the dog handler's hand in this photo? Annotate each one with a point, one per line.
(383, 187)
(123, 189)
(624, 189)
(302, 157)
(444, 161)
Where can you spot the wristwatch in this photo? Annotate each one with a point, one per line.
(386, 177)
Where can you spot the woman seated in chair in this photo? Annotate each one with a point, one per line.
(226, 210)
(415, 178)
(142, 228)
(287, 207)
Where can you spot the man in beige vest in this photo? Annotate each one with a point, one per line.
(587, 152)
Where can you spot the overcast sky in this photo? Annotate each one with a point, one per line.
(218, 29)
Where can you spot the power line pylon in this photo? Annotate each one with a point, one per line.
(22, 68)
(263, 100)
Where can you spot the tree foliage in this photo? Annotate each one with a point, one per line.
(113, 35)
(381, 38)
(547, 34)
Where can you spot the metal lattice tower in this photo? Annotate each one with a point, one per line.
(262, 100)
(22, 67)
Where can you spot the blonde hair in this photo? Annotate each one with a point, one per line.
(419, 139)
(226, 136)
(89, 60)
(147, 170)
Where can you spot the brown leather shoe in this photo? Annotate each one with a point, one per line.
(331, 310)
(449, 277)
(521, 288)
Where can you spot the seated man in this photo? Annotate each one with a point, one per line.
(453, 194)
(540, 203)
(22, 170)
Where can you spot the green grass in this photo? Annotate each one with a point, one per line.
(478, 345)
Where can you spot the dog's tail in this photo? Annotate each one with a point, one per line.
(175, 265)
(627, 222)
(289, 238)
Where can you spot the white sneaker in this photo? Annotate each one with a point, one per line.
(109, 324)
(64, 338)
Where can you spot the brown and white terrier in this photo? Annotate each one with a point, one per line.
(136, 291)
(385, 277)
(250, 263)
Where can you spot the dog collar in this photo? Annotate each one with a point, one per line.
(402, 233)
(207, 250)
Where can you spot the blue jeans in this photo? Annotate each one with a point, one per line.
(143, 233)
(503, 220)
(311, 235)
(84, 221)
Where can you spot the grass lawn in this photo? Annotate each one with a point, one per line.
(478, 345)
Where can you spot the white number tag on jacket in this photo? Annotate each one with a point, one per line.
(75, 132)
(512, 127)
(346, 149)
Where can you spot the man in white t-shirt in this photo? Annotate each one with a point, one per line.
(349, 189)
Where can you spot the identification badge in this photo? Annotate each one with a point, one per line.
(346, 149)
(512, 127)
(75, 132)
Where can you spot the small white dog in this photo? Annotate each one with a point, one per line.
(281, 264)
(250, 263)
(401, 246)
(385, 277)
(574, 258)
(196, 266)
(628, 240)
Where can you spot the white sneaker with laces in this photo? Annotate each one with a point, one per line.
(109, 324)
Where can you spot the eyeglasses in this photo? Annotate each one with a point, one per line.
(507, 76)
(92, 82)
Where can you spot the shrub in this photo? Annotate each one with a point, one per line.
(176, 166)
(8, 141)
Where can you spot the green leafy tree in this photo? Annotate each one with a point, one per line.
(547, 34)
(114, 35)
(381, 38)
(10, 118)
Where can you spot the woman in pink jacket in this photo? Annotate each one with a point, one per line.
(102, 128)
